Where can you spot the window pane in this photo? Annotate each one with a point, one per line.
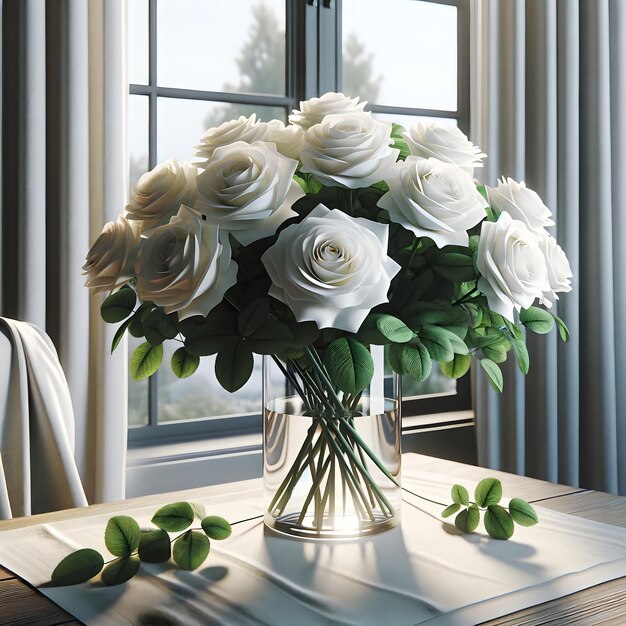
(222, 45)
(402, 53)
(138, 42)
(201, 395)
(181, 123)
(137, 391)
(409, 120)
(137, 138)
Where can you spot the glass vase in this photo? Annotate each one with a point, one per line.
(331, 460)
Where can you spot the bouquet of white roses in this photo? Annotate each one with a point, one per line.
(312, 241)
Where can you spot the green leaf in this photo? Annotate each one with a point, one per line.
(496, 353)
(118, 306)
(514, 329)
(460, 495)
(399, 142)
(467, 520)
(253, 316)
(183, 363)
(381, 329)
(482, 190)
(410, 359)
(440, 314)
(120, 571)
(458, 367)
(349, 364)
(174, 517)
(475, 313)
(494, 374)
(308, 183)
(458, 345)
(455, 267)
(145, 360)
(437, 343)
(562, 326)
(154, 546)
(191, 550)
(461, 333)
(136, 327)
(498, 522)
(119, 333)
(270, 337)
(521, 353)
(487, 492)
(121, 535)
(158, 326)
(537, 320)
(233, 366)
(450, 510)
(304, 334)
(392, 328)
(301, 182)
(77, 568)
(216, 527)
(522, 512)
(212, 335)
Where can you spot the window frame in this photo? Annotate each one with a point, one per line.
(313, 65)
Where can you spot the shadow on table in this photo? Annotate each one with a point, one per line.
(369, 572)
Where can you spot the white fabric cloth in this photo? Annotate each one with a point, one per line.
(420, 572)
(38, 472)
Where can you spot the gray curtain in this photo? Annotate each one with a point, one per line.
(63, 176)
(549, 107)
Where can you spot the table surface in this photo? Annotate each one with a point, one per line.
(21, 604)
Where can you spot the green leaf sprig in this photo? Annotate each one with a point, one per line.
(132, 545)
(499, 521)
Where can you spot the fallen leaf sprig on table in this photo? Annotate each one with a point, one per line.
(132, 545)
(499, 521)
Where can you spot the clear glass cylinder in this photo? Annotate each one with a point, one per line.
(328, 472)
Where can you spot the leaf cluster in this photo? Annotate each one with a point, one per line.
(499, 521)
(435, 312)
(132, 545)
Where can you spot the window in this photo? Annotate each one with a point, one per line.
(196, 63)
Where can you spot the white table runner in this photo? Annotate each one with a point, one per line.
(421, 572)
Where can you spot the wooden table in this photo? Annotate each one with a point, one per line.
(21, 604)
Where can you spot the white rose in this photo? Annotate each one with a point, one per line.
(110, 260)
(559, 270)
(160, 192)
(248, 189)
(520, 203)
(433, 199)
(330, 268)
(348, 150)
(314, 110)
(446, 143)
(183, 267)
(288, 139)
(512, 267)
(242, 129)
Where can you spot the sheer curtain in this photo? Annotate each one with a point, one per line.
(64, 176)
(549, 107)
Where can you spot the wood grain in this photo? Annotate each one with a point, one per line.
(5, 574)
(21, 604)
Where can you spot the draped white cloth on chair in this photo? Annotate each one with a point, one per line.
(38, 471)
